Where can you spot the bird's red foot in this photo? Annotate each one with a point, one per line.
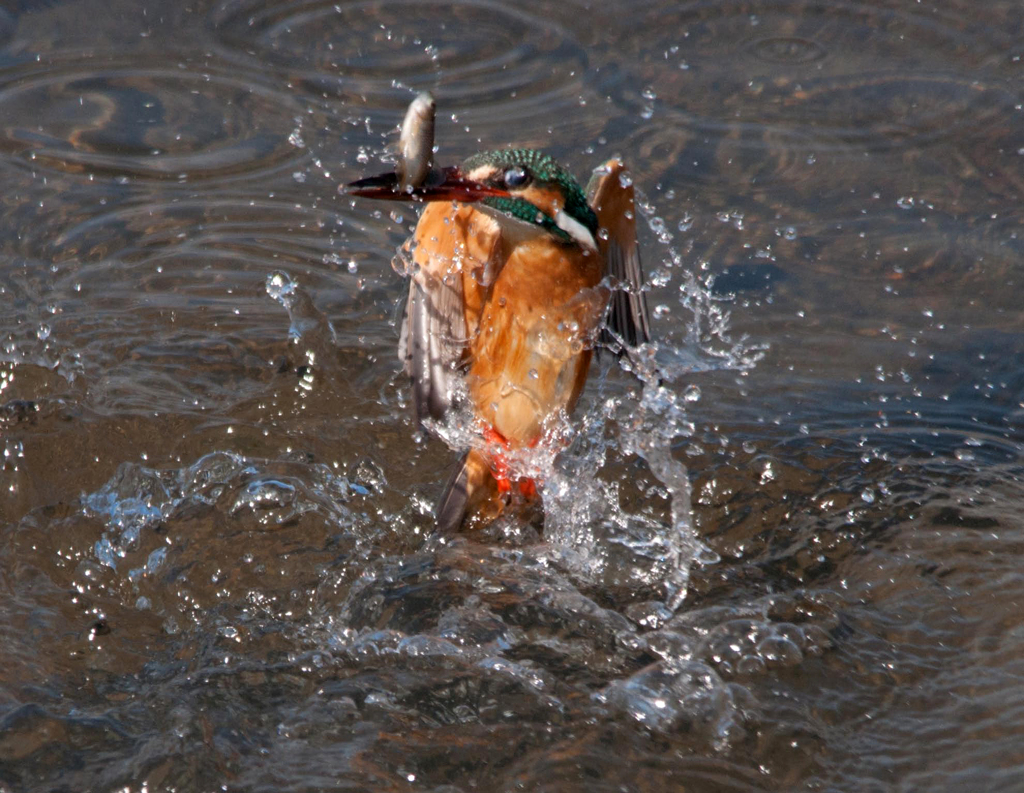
(500, 467)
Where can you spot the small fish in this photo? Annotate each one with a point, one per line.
(416, 144)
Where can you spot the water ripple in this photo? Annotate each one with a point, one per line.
(138, 123)
(505, 60)
(195, 269)
(843, 77)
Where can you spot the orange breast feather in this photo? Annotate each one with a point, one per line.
(530, 357)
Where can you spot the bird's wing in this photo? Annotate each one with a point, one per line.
(610, 193)
(453, 257)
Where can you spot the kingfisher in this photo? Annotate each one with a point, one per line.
(518, 275)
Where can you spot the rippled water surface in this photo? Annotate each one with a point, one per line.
(216, 564)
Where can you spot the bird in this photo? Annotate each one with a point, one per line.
(519, 274)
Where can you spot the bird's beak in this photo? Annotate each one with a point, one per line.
(445, 185)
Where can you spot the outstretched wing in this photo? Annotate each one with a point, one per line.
(454, 257)
(610, 193)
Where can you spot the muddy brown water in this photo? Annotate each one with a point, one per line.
(216, 565)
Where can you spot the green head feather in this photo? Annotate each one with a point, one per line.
(545, 171)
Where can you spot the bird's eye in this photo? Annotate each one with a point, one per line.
(516, 176)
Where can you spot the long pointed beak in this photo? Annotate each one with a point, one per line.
(446, 185)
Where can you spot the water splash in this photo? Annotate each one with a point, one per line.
(139, 498)
(310, 331)
(626, 547)
(704, 342)
(668, 696)
(584, 464)
(307, 322)
(31, 337)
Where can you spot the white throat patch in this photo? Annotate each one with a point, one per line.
(575, 229)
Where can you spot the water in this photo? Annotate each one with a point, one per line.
(792, 563)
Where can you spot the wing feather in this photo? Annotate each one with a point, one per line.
(436, 330)
(610, 193)
(434, 340)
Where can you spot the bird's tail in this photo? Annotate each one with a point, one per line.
(480, 489)
(470, 487)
